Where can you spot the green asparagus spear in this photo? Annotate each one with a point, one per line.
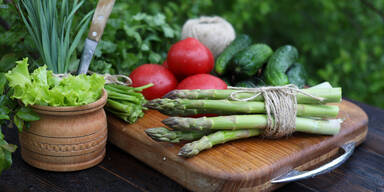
(330, 95)
(327, 127)
(127, 88)
(125, 102)
(221, 136)
(128, 116)
(118, 106)
(128, 91)
(174, 136)
(119, 96)
(188, 107)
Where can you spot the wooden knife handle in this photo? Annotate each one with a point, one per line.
(100, 18)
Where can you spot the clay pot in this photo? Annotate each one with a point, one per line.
(66, 138)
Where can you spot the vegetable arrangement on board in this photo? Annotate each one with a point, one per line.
(241, 119)
(186, 80)
(56, 36)
(248, 65)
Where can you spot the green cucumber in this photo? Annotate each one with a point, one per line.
(248, 61)
(258, 81)
(247, 84)
(297, 75)
(222, 62)
(278, 64)
(227, 80)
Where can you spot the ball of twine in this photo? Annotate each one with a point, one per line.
(214, 32)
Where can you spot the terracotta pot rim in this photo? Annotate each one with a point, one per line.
(91, 106)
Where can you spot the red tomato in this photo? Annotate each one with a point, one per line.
(202, 81)
(163, 80)
(178, 77)
(188, 57)
(165, 64)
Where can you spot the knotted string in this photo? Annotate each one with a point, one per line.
(109, 79)
(280, 106)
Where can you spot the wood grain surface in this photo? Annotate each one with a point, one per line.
(245, 165)
(100, 18)
(121, 172)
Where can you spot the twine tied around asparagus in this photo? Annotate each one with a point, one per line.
(109, 79)
(280, 105)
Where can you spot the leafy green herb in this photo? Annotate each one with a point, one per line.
(26, 114)
(3, 81)
(6, 151)
(7, 62)
(50, 24)
(132, 38)
(19, 123)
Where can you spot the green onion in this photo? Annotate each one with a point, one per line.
(51, 26)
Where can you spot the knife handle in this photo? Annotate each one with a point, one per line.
(100, 18)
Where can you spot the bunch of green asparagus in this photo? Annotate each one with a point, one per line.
(125, 102)
(240, 119)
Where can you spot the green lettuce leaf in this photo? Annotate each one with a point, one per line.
(77, 90)
(19, 76)
(39, 76)
(42, 87)
(52, 80)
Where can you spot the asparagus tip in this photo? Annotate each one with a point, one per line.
(157, 133)
(153, 104)
(171, 95)
(194, 148)
(188, 150)
(175, 122)
(156, 130)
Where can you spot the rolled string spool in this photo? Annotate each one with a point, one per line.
(214, 32)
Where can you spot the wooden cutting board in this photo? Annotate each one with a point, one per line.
(243, 165)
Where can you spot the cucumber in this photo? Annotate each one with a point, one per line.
(278, 64)
(297, 75)
(222, 62)
(248, 61)
(227, 80)
(258, 81)
(247, 84)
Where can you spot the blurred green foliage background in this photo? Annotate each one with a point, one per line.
(339, 41)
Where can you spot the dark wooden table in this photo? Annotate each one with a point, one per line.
(119, 171)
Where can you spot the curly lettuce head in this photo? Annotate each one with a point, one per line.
(43, 88)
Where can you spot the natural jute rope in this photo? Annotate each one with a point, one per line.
(109, 79)
(280, 105)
